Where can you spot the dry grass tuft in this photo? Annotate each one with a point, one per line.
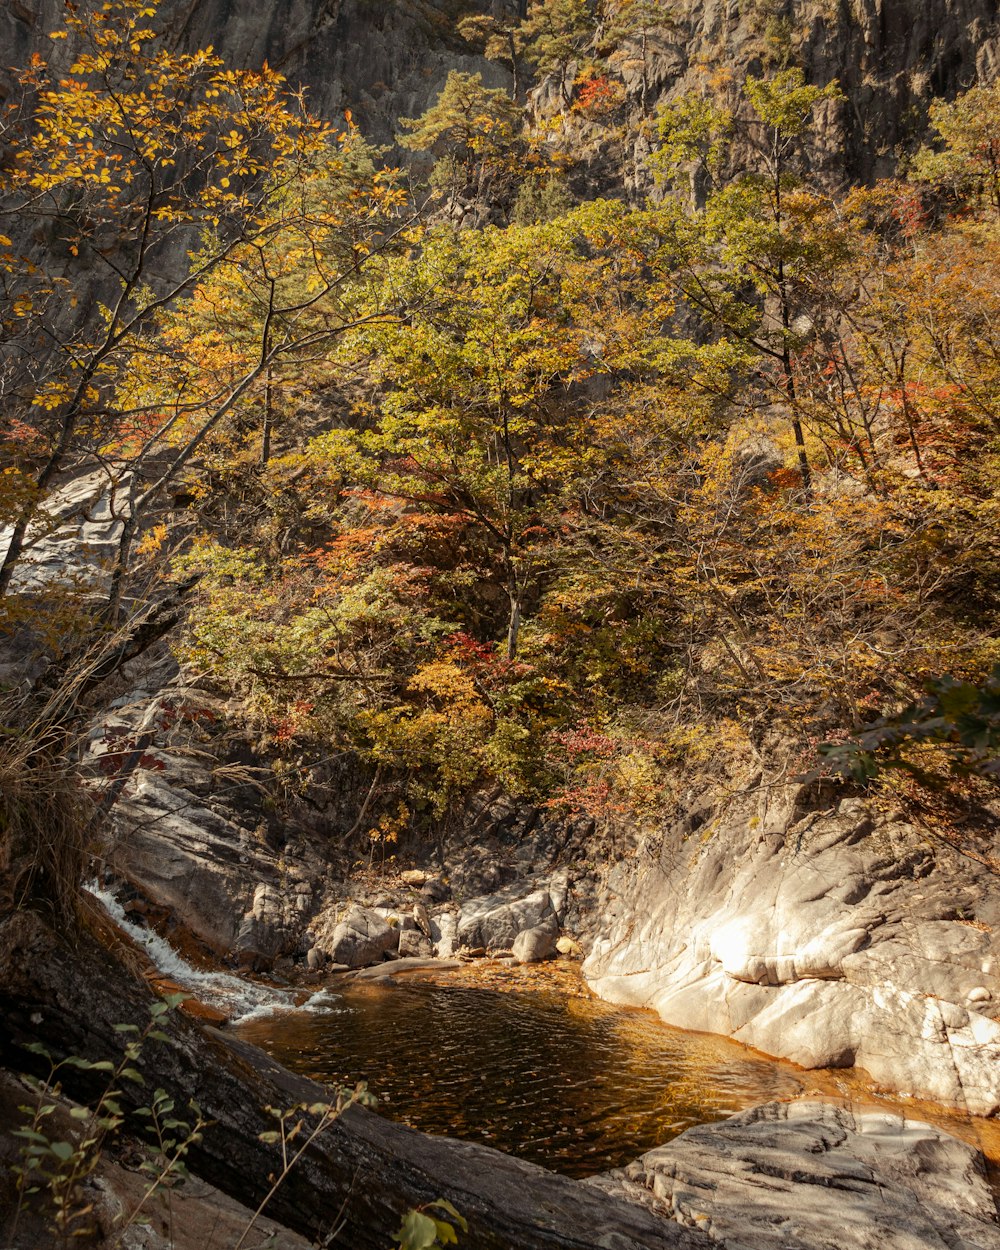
(45, 816)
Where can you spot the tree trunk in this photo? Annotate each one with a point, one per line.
(364, 1171)
(513, 626)
(265, 442)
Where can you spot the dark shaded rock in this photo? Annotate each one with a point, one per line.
(435, 890)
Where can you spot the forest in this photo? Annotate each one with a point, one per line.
(572, 498)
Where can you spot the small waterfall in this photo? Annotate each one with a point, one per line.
(241, 1000)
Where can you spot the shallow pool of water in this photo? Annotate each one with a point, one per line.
(541, 1069)
(562, 1080)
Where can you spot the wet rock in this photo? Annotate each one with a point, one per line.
(380, 974)
(811, 1176)
(264, 930)
(183, 847)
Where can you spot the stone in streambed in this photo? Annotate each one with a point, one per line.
(381, 974)
(422, 917)
(494, 921)
(533, 945)
(444, 933)
(361, 938)
(413, 943)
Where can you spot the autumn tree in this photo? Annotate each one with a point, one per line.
(469, 415)
(123, 165)
(694, 130)
(497, 38)
(555, 35)
(628, 33)
(749, 237)
(968, 158)
(475, 134)
(423, 629)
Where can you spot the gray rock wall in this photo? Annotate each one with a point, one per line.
(891, 57)
(832, 939)
(384, 59)
(379, 58)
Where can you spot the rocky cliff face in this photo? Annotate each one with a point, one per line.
(831, 937)
(379, 58)
(891, 57)
(384, 59)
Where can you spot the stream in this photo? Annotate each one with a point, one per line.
(563, 1081)
(524, 1060)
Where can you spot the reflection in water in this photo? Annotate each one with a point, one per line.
(573, 1084)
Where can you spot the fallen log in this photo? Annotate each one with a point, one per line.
(363, 1173)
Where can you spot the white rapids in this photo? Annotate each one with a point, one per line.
(240, 999)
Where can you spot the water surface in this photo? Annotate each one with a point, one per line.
(565, 1081)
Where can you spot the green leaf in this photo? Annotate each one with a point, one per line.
(417, 1232)
(62, 1150)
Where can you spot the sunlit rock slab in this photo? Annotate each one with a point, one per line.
(812, 1176)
